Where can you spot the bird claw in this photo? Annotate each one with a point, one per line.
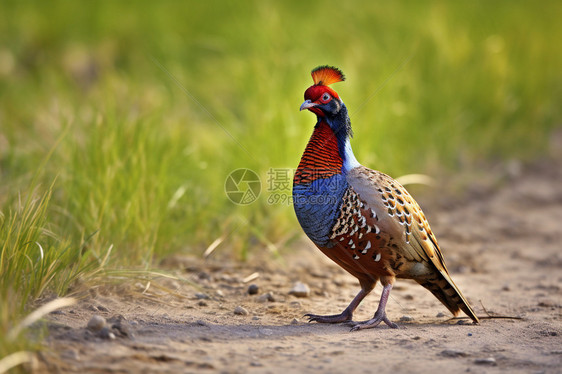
(372, 323)
(312, 317)
(337, 318)
(355, 328)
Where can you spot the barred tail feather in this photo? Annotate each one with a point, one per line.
(446, 291)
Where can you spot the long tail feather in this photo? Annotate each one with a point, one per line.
(446, 291)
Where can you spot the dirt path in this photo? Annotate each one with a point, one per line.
(503, 246)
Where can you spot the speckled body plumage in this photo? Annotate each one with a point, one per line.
(363, 219)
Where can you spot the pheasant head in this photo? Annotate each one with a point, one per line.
(321, 99)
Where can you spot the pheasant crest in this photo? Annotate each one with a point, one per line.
(327, 75)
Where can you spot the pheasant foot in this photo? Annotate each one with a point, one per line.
(380, 314)
(373, 322)
(344, 316)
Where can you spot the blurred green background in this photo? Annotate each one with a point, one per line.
(136, 112)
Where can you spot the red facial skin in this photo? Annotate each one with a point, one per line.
(315, 95)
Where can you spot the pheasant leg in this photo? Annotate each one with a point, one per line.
(344, 316)
(380, 314)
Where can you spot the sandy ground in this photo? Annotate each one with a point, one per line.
(502, 241)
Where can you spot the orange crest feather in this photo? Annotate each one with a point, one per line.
(326, 75)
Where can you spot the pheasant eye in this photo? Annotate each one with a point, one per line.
(326, 97)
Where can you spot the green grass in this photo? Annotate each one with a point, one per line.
(33, 260)
(147, 108)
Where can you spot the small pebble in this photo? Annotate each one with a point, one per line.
(106, 334)
(485, 361)
(121, 327)
(265, 298)
(201, 296)
(440, 314)
(296, 304)
(202, 303)
(253, 289)
(200, 322)
(300, 290)
(453, 353)
(96, 323)
(295, 321)
(406, 318)
(241, 311)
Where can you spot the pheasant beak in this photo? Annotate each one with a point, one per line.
(308, 104)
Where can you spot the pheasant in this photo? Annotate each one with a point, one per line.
(362, 219)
